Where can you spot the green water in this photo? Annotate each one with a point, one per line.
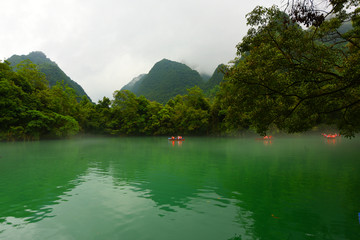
(203, 188)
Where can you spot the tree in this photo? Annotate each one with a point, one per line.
(129, 113)
(63, 126)
(37, 124)
(294, 78)
(32, 74)
(191, 112)
(103, 111)
(30, 110)
(308, 13)
(88, 117)
(154, 119)
(11, 105)
(165, 120)
(62, 100)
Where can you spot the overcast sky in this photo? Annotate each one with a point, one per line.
(104, 44)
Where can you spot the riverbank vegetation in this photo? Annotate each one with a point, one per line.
(294, 71)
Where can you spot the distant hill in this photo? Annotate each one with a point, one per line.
(51, 70)
(205, 76)
(215, 79)
(164, 81)
(134, 84)
(168, 79)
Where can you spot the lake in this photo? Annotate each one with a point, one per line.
(203, 188)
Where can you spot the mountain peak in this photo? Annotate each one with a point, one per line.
(37, 54)
(165, 80)
(36, 57)
(51, 70)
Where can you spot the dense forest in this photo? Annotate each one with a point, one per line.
(294, 72)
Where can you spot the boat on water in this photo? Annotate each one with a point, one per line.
(330, 135)
(178, 138)
(266, 137)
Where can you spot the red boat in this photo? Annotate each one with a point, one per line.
(178, 138)
(330, 135)
(267, 138)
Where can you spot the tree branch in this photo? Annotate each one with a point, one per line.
(341, 108)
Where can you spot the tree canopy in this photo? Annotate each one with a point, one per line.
(293, 78)
(32, 110)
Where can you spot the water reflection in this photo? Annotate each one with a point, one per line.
(178, 143)
(333, 141)
(265, 141)
(213, 189)
(32, 178)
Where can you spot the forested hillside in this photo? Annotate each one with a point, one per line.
(51, 70)
(165, 80)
